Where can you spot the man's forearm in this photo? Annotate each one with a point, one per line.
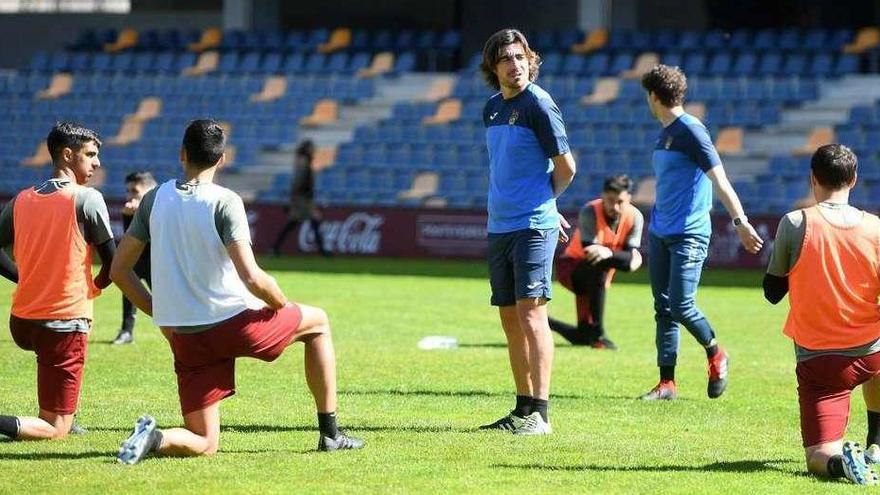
(561, 180)
(130, 285)
(266, 288)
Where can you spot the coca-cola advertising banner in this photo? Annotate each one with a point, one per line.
(447, 233)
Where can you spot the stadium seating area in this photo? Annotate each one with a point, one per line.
(139, 89)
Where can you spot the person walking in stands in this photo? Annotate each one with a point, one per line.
(302, 199)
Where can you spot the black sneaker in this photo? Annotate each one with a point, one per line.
(124, 337)
(341, 442)
(574, 335)
(508, 423)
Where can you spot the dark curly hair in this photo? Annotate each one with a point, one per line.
(668, 83)
(834, 166)
(492, 50)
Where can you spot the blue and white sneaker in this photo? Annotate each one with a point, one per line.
(855, 467)
(134, 448)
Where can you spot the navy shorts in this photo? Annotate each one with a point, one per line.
(521, 265)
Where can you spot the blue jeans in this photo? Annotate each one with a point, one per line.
(675, 263)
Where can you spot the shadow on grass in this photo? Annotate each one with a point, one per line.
(448, 393)
(346, 427)
(55, 456)
(468, 269)
(745, 466)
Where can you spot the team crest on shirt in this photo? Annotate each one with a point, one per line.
(513, 116)
(668, 143)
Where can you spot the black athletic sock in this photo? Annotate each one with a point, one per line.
(712, 350)
(327, 424)
(835, 466)
(667, 373)
(873, 429)
(9, 426)
(155, 440)
(540, 406)
(523, 406)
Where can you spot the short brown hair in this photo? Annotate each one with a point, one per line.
(668, 83)
(493, 47)
(834, 166)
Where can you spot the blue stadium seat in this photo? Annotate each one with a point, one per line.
(406, 62)
(771, 63)
(846, 64)
(795, 64)
(695, 63)
(405, 40)
(573, 63)
(314, 63)
(789, 39)
(360, 40)
(620, 63)
(383, 40)
(249, 63)
(720, 64)
(293, 63)
(337, 63)
(690, 40)
(821, 64)
(765, 39)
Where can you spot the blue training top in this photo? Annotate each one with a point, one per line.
(683, 154)
(522, 134)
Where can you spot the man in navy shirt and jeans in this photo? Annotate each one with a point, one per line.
(530, 165)
(687, 167)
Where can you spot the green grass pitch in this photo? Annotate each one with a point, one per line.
(417, 409)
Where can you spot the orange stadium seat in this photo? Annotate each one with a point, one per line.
(424, 185)
(447, 111)
(207, 62)
(340, 38)
(818, 136)
(593, 41)
(326, 111)
(274, 88)
(127, 38)
(382, 62)
(211, 38)
(644, 63)
(729, 141)
(866, 39)
(606, 89)
(60, 85)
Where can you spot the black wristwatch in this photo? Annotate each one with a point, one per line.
(740, 220)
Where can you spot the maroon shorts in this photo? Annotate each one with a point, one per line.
(61, 357)
(824, 387)
(565, 269)
(205, 361)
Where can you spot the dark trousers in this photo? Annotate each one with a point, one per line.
(129, 311)
(314, 223)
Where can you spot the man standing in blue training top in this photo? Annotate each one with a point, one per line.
(529, 167)
(687, 167)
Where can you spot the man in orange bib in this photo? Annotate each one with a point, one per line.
(607, 238)
(53, 228)
(827, 258)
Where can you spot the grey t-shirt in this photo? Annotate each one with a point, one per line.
(587, 227)
(787, 249)
(230, 219)
(94, 224)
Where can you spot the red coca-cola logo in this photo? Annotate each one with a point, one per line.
(359, 233)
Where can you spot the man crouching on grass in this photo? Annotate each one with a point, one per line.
(214, 304)
(827, 258)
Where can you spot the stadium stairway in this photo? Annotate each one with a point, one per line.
(836, 98)
(405, 88)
